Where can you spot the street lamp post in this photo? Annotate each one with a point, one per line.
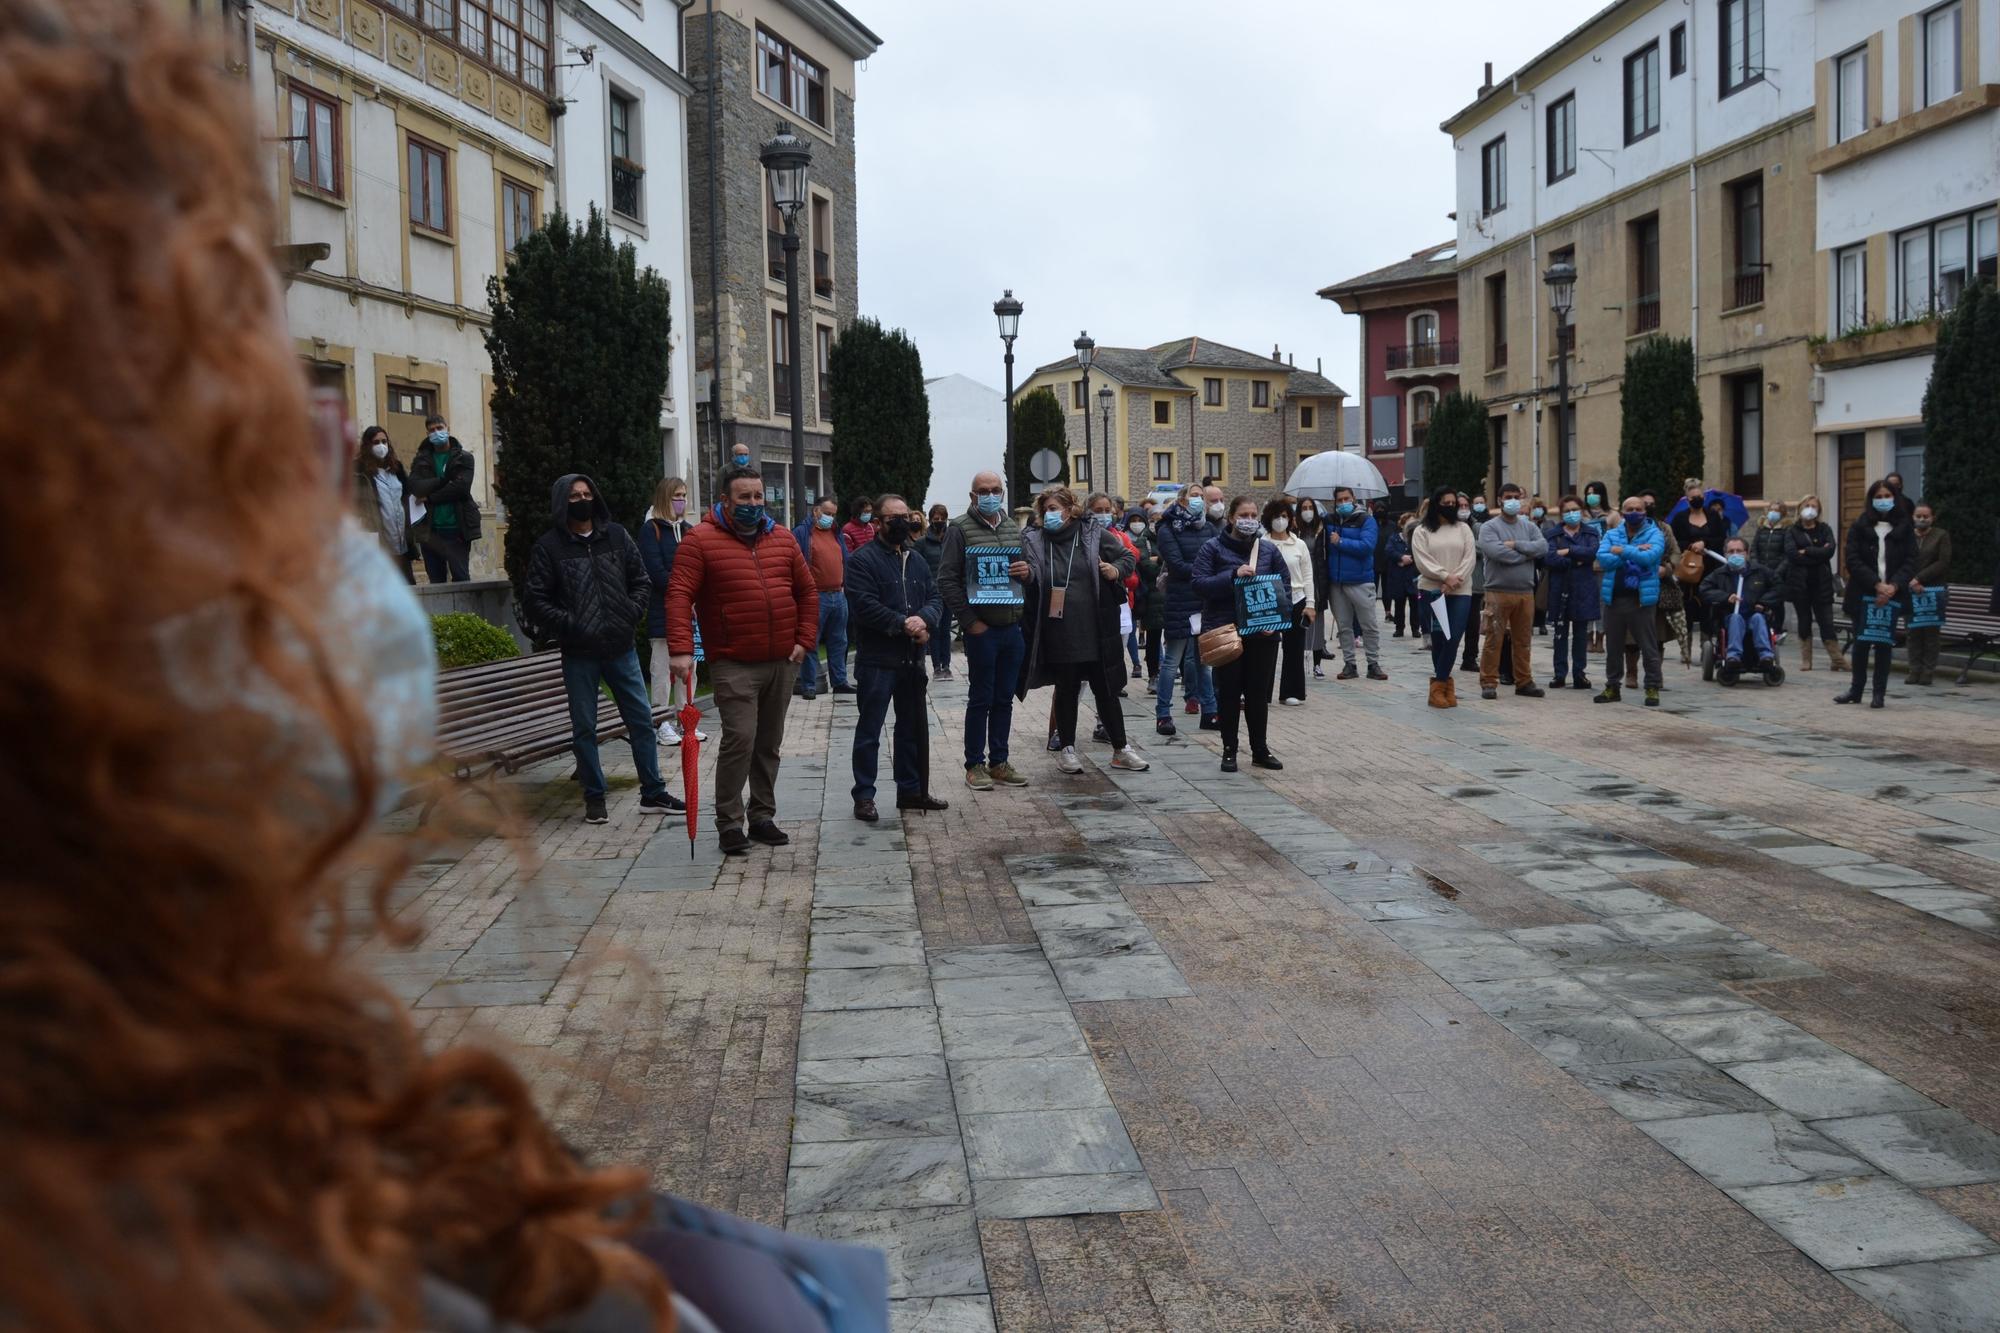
(1104, 400)
(1561, 280)
(1008, 311)
(1086, 352)
(787, 157)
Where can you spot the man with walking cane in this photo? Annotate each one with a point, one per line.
(893, 608)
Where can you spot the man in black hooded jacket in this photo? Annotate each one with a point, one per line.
(588, 587)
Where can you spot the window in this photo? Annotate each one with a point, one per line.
(1746, 198)
(1498, 434)
(1163, 411)
(1742, 44)
(1211, 392)
(1943, 72)
(1645, 274)
(1215, 464)
(1677, 52)
(781, 364)
(1493, 176)
(1642, 92)
(1850, 289)
(316, 141)
(1496, 321)
(409, 405)
(1260, 466)
(510, 35)
(1079, 468)
(626, 173)
(1562, 138)
(1908, 447)
(1850, 95)
(774, 232)
(429, 206)
(822, 239)
(1163, 465)
(790, 78)
(1424, 333)
(823, 351)
(517, 212)
(1260, 393)
(1935, 262)
(1077, 402)
(1746, 431)
(1308, 419)
(1422, 401)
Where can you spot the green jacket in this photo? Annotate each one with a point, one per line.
(968, 530)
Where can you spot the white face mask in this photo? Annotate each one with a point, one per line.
(1215, 509)
(1280, 524)
(1809, 513)
(379, 449)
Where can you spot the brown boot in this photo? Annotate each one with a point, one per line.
(1437, 695)
(1632, 671)
(1450, 692)
(1805, 654)
(1835, 656)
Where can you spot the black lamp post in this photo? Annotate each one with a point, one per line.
(1561, 280)
(1008, 311)
(1086, 352)
(786, 157)
(1104, 399)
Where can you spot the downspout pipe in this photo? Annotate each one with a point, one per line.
(1694, 196)
(1534, 285)
(714, 262)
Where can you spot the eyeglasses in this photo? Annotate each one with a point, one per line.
(989, 491)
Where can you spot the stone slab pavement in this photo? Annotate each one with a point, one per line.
(1530, 1014)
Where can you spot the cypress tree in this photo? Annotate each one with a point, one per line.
(1457, 450)
(1038, 424)
(1659, 435)
(882, 416)
(579, 348)
(1962, 432)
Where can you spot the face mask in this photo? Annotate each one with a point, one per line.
(1307, 515)
(865, 516)
(1478, 508)
(1135, 528)
(1343, 509)
(741, 460)
(1246, 527)
(1809, 513)
(1572, 518)
(582, 511)
(1281, 524)
(379, 449)
(1465, 513)
(1736, 560)
(1540, 512)
(1510, 508)
(825, 521)
(937, 525)
(678, 507)
(1215, 511)
(1594, 500)
(1883, 503)
(990, 505)
(1921, 522)
(438, 437)
(1773, 517)
(1102, 520)
(1633, 520)
(1053, 520)
(1194, 505)
(748, 517)
(897, 529)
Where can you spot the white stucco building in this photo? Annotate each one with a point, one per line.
(968, 435)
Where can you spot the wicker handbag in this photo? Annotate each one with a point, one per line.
(1221, 646)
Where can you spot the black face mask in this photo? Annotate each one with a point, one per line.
(937, 525)
(896, 530)
(582, 511)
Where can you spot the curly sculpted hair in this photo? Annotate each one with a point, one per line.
(210, 1119)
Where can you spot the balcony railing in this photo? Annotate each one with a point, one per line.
(1422, 356)
(625, 178)
(1749, 287)
(774, 249)
(1646, 314)
(823, 273)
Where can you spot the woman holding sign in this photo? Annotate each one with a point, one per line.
(1243, 585)
(1927, 594)
(1881, 561)
(1445, 553)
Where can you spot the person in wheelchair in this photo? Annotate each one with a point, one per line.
(1742, 595)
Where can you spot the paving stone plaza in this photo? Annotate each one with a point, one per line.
(1530, 1014)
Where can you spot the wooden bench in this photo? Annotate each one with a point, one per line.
(500, 717)
(1968, 624)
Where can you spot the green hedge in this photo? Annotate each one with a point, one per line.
(463, 640)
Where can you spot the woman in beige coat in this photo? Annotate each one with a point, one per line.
(1444, 551)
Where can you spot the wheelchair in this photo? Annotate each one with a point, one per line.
(1715, 668)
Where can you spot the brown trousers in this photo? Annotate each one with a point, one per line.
(1506, 613)
(751, 698)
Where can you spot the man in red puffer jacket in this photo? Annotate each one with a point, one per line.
(742, 576)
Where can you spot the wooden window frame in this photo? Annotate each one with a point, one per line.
(1167, 402)
(507, 219)
(533, 63)
(1077, 399)
(781, 364)
(1746, 206)
(823, 369)
(1220, 456)
(1218, 400)
(1260, 395)
(1170, 455)
(415, 150)
(315, 99)
(1308, 417)
(1746, 390)
(799, 75)
(1269, 460)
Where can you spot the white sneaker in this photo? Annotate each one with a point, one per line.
(699, 734)
(1129, 757)
(669, 733)
(1067, 760)
(1292, 703)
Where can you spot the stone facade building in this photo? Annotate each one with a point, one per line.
(1189, 409)
(1409, 354)
(755, 64)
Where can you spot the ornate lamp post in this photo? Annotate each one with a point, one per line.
(1008, 311)
(787, 157)
(1104, 399)
(1086, 352)
(1561, 281)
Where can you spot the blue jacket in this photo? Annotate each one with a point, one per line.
(659, 538)
(1398, 579)
(1215, 576)
(1181, 537)
(1352, 558)
(804, 534)
(884, 588)
(1573, 580)
(1646, 550)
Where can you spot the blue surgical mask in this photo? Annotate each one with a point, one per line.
(1883, 503)
(1102, 520)
(1594, 500)
(1736, 560)
(1633, 521)
(1195, 506)
(1478, 507)
(1773, 516)
(824, 520)
(1572, 518)
(1053, 520)
(741, 460)
(438, 437)
(1343, 509)
(1510, 507)
(990, 505)
(748, 516)
(1539, 511)
(865, 516)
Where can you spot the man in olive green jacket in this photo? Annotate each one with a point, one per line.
(993, 642)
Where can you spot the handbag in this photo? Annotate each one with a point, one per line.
(1691, 568)
(1221, 646)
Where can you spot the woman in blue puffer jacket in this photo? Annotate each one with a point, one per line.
(1572, 590)
(1243, 685)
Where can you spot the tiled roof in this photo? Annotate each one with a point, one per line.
(1148, 367)
(1438, 261)
(1312, 383)
(1207, 352)
(1134, 366)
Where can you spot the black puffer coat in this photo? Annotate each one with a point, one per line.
(587, 593)
(1809, 568)
(1181, 536)
(1898, 566)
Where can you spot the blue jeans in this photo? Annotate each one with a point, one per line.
(877, 687)
(1760, 636)
(1183, 658)
(1444, 652)
(941, 642)
(628, 691)
(992, 665)
(1572, 644)
(1132, 647)
(833, 638)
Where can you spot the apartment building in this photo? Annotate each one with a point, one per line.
(1409, 354)
(756, 64)
(1906, 171)
(1662, 149)
(1188, 409)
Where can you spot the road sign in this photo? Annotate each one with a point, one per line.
(1045, 466)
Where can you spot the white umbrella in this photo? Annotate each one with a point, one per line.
(1317, 478)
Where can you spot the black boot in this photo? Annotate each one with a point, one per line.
(1229, 760)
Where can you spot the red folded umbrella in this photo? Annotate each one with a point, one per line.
(690, 720)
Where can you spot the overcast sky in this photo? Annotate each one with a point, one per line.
(1149, 169)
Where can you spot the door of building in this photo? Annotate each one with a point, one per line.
(1852, 449)
(409, 404)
